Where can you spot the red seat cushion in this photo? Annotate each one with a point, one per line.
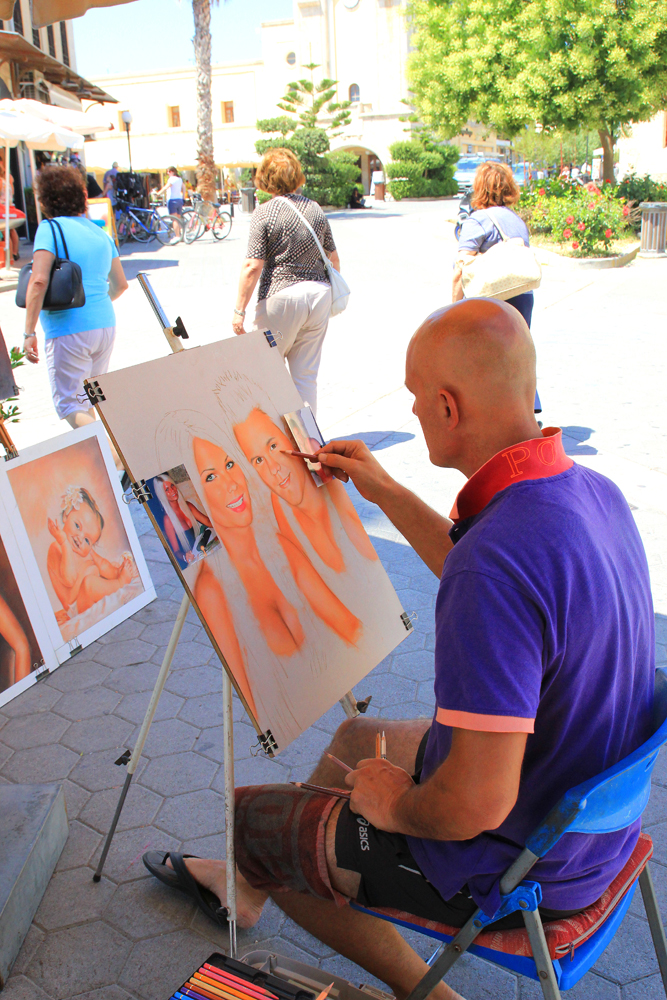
(563, 936)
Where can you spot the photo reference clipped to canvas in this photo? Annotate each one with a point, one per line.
(69, 537)
(272, 553)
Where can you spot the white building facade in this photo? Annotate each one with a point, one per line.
(363, 44)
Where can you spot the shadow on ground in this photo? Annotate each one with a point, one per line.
(377, 440)
(574, 438)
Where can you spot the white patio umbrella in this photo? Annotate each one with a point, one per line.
(15, 127)
(83, 122)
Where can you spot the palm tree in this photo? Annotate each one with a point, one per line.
(206, 173)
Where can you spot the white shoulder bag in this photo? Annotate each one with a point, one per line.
(506, 269)
(340, 290)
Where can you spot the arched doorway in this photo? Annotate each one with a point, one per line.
(367, 160)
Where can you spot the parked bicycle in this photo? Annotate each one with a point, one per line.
(203, 218)
(145, 224)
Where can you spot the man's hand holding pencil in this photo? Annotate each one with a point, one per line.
(353, 460)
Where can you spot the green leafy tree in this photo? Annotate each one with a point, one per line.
(9, 409)
(422, 168)
(567, 64)
(330, 177)
(309, 102)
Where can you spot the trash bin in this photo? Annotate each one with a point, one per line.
(248, 199)
(379, 191)
(654, 229)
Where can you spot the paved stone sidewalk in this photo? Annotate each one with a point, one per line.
(601, 363)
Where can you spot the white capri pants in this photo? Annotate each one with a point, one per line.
(72, 358)
(300, 314)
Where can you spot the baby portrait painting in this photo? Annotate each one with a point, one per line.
(89, 567)
(293, 595)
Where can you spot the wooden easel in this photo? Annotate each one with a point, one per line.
(175, 335)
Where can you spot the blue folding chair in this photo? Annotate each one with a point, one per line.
(611, 801)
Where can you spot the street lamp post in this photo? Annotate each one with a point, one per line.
(127, 121)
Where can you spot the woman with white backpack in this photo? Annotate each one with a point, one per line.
(510, 272)
(292, 248)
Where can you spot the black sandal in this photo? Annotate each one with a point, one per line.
(180, 878)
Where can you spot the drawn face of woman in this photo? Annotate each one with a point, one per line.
(170, 491)
(82, 528)
(262, 443)
(224, 486)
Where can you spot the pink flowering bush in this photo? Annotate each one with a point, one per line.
(596, 214)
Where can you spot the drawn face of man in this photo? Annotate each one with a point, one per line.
(82, 528)
(262, 443)
(223, 485)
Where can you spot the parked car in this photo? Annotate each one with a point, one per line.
(524, 171)
(464, 174)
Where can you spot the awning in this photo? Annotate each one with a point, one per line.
(15, 48)
(85, 123)
(47, 11)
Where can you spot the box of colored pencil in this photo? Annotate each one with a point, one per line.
(223, 978)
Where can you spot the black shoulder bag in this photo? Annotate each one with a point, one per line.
(65, 289)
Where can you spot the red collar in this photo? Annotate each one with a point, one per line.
(533, 459)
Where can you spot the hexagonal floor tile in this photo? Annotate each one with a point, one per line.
(387, 689)
(20, 988)
(79, 848)
(129, 629)
(170, 736)
(87, 704)
(123, 863)
(38, 698)
(211, 742)
(206, 680)
(91, 735)
(177, 773)
(72, 897)
(192, 814)
(159, 633)
(96, 771)
(78, 673)
(40, 764)
(25, 731)
(146, 908)
(139, 809)
(137, 677)
(133, 706)
(159, 965)
(124, 654)
(79, 959)
(202, 712)
(418, 665)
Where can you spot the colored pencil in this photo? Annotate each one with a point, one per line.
(377, 744)
(383, 746)
(319, 788)
(337, 761)
(245, 992)
(324, 993)
(199, 982)
(236, 981)
(192, 986)
(197, 995)
(301, 454)
(234, 991)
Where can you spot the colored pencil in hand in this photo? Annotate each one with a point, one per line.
(337, 761)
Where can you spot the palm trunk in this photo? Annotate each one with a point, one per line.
(201, 10)
(607, 143)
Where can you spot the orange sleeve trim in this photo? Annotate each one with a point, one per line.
(484, 723)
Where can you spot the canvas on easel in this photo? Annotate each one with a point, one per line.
(281, 572)
(80, 550)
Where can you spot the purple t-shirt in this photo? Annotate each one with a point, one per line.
(544, 625)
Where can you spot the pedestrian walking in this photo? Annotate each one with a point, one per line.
(110, 181)
(494, 193)
(294, 297)
(78, 341)
(174, 190)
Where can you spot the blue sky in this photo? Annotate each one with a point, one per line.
(157, 34)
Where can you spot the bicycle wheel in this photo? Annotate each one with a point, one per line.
(170, 230)
(222, 226)
(193, 228)
(141, 230)
(123, 228)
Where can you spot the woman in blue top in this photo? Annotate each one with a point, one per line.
(78, 342)
(494, 192)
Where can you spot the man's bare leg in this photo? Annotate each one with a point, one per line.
(354, 740)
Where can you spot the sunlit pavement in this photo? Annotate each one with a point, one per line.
(600, 339)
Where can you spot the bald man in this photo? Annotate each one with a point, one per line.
(543, 678)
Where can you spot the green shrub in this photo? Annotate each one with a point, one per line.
(330, 177)
(638, 189)
(422, 168)
(587, 218)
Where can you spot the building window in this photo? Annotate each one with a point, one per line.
(63, 42)
(174, 116)
(354, 93)
(35, 38)
(291, 58)
(18, 17)
(51, 38)
(228, 112)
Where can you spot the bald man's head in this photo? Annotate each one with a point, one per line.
(471, 367)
